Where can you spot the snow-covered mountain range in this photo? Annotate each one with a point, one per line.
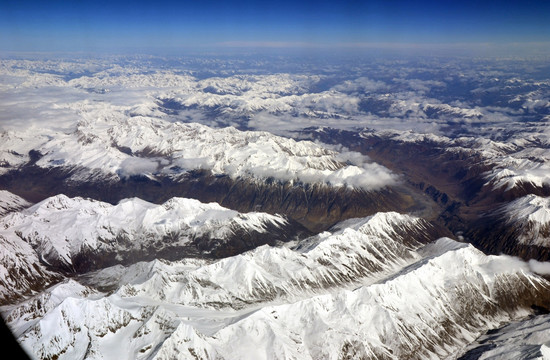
(149, 147)
(76, 235)
(310, 298)
(269, 208)
(112, 156)
(353, 303)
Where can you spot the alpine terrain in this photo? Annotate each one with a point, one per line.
(275, 207)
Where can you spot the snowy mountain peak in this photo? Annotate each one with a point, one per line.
(530, 217)
(532, 208)
(392, 225)
(60, 203)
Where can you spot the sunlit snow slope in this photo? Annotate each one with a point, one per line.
(10, 202)
(75, 235)
(342, 293)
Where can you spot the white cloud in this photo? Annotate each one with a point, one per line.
(542, 268)
(136, 166)
(361, 84)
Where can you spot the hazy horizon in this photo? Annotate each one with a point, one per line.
(480, 28)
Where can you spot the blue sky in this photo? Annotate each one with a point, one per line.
(125, 25)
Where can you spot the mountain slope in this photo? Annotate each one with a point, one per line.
(449, 310)
(354, 254)
(22, 272)
(469, 178)
(520, 227)
(76, 234)
(10, 202)
(530, 215)
(526, 339)
(110, 156)
(341, 293)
